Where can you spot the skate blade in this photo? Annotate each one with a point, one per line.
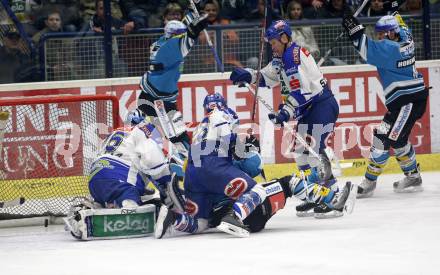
(365, 195)
(411, 189)
(233, 230)
(304, 214)
(351, 201)
(329, 215)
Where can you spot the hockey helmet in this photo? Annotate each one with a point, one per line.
(214, 100)
(387, 23)
(276, 29)
(174, 27)
(134, 117)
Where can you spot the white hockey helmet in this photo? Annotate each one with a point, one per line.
(387, 23)
(174, 27)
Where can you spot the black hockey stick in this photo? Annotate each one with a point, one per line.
(208, 39)
(260, 59)
(333, 45)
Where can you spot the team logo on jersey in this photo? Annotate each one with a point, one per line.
(296, 55)
(191, 207)
(236, 187)
(305, 51)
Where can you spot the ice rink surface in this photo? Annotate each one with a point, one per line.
(387, 234)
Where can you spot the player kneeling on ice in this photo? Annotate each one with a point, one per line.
(123, 206)
(307, 99)
(219, 187)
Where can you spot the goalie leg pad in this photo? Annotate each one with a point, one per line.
(92, 224)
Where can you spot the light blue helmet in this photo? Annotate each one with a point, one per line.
(173, 28)
(276, 29)
(214, 100)
(387, 23)
(134, 117)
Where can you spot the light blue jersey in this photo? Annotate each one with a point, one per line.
(395, 62)
(166, 56)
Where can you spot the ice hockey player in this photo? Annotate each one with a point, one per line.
(159, 83)
(130, 157)
(221, 192)
(307, 99)
(405, 98)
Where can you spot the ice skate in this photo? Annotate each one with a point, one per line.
(342, 203)
(409, 184)
(231, 224)
(164, 223)
(322, 211)
(366, 188)
(305, 209)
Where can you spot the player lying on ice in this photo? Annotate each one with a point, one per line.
(307, 99)
(129, 158)
(219, 188)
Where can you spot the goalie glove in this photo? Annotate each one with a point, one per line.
(197, 25)
(352, 27)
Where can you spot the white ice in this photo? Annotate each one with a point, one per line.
(387, 234)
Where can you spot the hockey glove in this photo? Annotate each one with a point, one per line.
(352, 27)
(240, 75)
(197, 26)
(280, 117)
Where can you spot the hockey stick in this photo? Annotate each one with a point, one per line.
(208, 39)
(285, 125)
(260, 60)
(330, 154)
(333, 45)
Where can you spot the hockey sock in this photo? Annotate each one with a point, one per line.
(185, 223)
(311, 173)
(248, 201)
(406, 157)
(377, 161)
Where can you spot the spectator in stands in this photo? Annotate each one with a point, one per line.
(88, 9)
(69, 10)
(23, 10)
(252, 142)
(235, 10)
(142, 14)
(96, 22)
(16, 63)
(302, 36)
(334, 9)
(309, 7)
(173, 11)
(230, 38)
(53, 24)
(411, 7)
(257, 15)
(376, 8)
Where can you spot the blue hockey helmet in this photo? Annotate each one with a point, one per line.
(214, 100)
(134, 117)
(387, 23)
(276, 29)
(174, 27)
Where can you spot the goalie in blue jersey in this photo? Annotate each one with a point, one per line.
(405, 98)
(219, 189)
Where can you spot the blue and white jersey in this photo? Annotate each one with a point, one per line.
(130, 154)
(166, 57)
(216, 134)
(395, 62)
(302, 82)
